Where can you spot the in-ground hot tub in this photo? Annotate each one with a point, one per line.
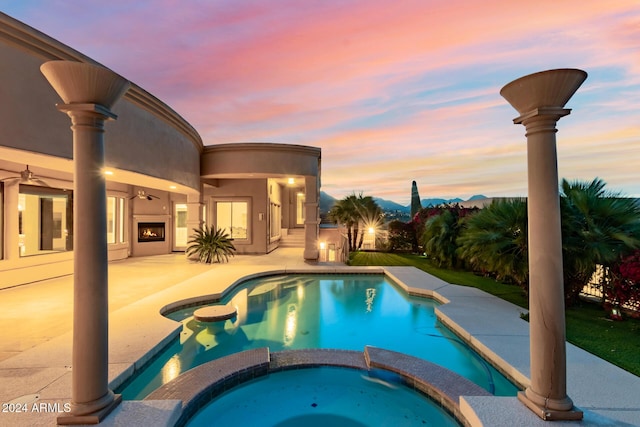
(321, 397)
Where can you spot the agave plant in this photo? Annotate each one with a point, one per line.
(209, 244)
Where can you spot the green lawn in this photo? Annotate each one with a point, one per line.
(587, 325)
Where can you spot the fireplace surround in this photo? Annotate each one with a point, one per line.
(151, 231)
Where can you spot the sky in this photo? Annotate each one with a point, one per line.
(391, 91)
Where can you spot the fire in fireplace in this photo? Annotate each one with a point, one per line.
(151, 232)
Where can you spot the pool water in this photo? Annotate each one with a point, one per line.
(318, 311)
(322, 397)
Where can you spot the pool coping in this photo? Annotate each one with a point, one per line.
(200, 385)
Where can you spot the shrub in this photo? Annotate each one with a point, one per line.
(209, 244)
(623, 287)
(401, 236)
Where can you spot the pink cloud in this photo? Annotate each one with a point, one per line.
(389, 91)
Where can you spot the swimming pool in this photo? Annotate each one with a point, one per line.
(318, 311)
(320, 397)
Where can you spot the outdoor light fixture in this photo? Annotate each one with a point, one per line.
(615, 314)
(323, 245)
(371, 230)
(291, 181)
(108, 172)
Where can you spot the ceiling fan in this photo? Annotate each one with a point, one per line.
(143, 195)
(26, 177)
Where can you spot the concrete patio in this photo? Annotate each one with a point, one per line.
(35, 350)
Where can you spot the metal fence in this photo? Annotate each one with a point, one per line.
(594, 291)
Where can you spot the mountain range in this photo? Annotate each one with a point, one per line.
(326, 201)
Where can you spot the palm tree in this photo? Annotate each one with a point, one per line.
(353, 212)
(494, 240)
(370, 215)
(439, 239)
(209, 244)
(344, 212)
(598, 227)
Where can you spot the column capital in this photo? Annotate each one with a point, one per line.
(542, 113)
(80, 82)
(542, 119)
(87, 109)
(546, 89)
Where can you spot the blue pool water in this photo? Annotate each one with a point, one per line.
(322, 397)
(318, 311)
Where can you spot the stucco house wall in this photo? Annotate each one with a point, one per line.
(149, 148)
(255, 192)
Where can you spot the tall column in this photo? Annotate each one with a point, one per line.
(88, 93)
(540, 99)
(311, 218)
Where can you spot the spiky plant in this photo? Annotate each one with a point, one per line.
(209, 244)
(494, 240)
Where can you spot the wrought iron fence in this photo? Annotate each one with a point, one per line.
(594, 291)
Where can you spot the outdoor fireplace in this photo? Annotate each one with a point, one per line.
(151, 232)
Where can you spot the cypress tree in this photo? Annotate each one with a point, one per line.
(415, 200)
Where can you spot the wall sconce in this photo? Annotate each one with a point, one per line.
(323, 246)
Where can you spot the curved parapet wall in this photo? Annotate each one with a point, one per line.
(259, 160)
(148, 139)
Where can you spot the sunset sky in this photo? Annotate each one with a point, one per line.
(392, 91)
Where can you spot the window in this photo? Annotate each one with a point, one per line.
(204, 215)
(115, 219)
(300, 199)
(233, 217)
(45, 220)
(181, 225)
(111, 219)
(274, 220)
(121, 220)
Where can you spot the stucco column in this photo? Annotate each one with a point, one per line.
(540, 99)
(88, 93)
(311, 218)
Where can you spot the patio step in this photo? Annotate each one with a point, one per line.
(294, 238)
